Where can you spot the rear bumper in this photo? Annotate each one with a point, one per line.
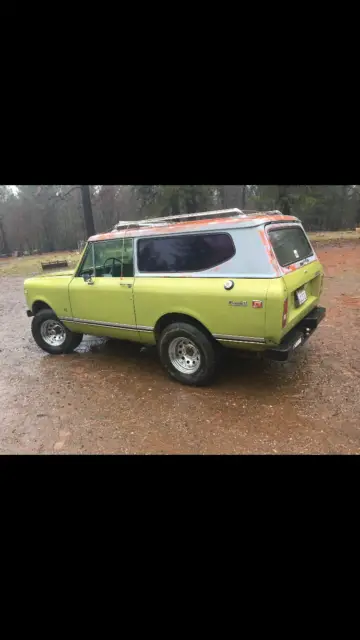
(297, 336)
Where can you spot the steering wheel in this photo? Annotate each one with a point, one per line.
(113, 263)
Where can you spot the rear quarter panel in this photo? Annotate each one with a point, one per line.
(204, 299)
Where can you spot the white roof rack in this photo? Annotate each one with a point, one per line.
(180, 217)
(189, 216)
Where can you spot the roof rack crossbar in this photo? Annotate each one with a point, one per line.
(128, 224)
(183, 216)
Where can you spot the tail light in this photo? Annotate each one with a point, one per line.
(285, 312)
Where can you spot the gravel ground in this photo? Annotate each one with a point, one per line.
(113, 397)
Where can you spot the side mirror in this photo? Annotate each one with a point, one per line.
(88, 278)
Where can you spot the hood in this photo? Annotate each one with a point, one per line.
(43, 276)
(50, 274)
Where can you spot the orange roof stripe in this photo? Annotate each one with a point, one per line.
(188, 225)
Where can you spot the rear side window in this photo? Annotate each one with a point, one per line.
(174, 254)
(290, 245)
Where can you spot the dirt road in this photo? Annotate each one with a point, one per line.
(113, 397)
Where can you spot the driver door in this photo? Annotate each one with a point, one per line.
(103, 304)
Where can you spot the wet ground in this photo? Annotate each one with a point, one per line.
(113, 397)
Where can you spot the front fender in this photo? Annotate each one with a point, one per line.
(53, 291)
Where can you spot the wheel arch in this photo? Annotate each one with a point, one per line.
(170, 318)
(38, 305)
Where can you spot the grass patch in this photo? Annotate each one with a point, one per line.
(31, 265)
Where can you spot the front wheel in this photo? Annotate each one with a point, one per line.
(51, 335)
(187, 354)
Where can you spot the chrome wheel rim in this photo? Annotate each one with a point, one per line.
(53, 333)
(184, 355)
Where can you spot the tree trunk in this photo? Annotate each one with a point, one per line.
(243, 197)
(283, 200)
(4, 239)
(344, 219)
(175, 203)
(190, 200)
(221, 196)
(88, 214)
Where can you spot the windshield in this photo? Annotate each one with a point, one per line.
(290, 245)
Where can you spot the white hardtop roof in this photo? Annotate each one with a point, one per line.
(194, 222)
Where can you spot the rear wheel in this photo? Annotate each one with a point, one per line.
(51, 334)
(187, 354)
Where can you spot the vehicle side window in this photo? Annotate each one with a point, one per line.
(114, 258)
(172, 254)
(87, 265)
(107, 259)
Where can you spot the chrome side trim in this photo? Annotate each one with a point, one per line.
(239, 341)
(227, 338)
(112, 325)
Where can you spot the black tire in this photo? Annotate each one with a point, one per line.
(206, 349)
(72, 340)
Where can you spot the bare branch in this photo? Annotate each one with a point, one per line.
(63, 196)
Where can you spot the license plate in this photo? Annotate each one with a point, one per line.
(301, 296)
(297, 343)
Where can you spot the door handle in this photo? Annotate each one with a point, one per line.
(125, 284)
